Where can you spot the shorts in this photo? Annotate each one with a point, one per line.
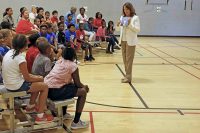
(84, 46)
(66, 92)
(25, 87)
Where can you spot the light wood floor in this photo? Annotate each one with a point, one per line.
(164, 96)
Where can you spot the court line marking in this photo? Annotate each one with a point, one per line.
(138, 112)
(182, 45)
(172, 63)
(138, 108)
(173, 57)
(91, 122)
(134, 89)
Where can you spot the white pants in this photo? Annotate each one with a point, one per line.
(91, 35)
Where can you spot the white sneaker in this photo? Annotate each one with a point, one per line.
(76, 61)
(79, 125)
(68, 116)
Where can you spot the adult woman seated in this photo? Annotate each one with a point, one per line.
(25, 26)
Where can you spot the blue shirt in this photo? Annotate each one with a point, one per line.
(52, 38)
(72, 22)
(69, 35)
(73, 17)
(48, 37)
(3, 50)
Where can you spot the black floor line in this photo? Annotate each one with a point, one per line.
(136, 92)
(127, 107)
(180, 112)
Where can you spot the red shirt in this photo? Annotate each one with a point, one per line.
(97, 22)
(54, 19)
(80, 36)
(30, 57)
(24, 27)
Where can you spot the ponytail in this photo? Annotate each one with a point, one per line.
(19, 42)
(5, 13)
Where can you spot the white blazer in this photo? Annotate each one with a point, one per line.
(131, 31)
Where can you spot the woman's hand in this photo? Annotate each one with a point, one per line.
(119, 23)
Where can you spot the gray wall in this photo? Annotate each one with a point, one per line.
(173, 20)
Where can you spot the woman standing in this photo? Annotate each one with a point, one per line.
(7, 16)
(130, 26)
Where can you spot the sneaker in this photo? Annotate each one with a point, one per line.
(91, 57)
(45, 119)
(79, 125)
(68, 116)
(86, 58)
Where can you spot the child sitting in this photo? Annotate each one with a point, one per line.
(71, 36)
(54, 18)
(64, 83)
(6, 41)
(53, 40)
(43, 32)
(62, 20)
(32, 51)
(17, 78)
(101, 35)
(84, 44)
(110, 32)
(60, 35)
(42, 64)
(89, 29)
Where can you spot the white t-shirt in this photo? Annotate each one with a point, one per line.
(82, 19)
(12, 77)
(32, 17)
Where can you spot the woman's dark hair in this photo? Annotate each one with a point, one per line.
(32, 39)
(19, 42)
(69, 54)
(7, 9)
(97, 14)
(108, 28)
(22, 10)
(130, 7)
(70, 25)
(6, 25)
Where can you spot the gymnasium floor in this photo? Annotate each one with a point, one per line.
(164, 94)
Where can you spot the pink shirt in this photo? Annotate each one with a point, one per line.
(101, 32)
(61, 74)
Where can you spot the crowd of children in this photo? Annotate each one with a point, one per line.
(38, 56)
